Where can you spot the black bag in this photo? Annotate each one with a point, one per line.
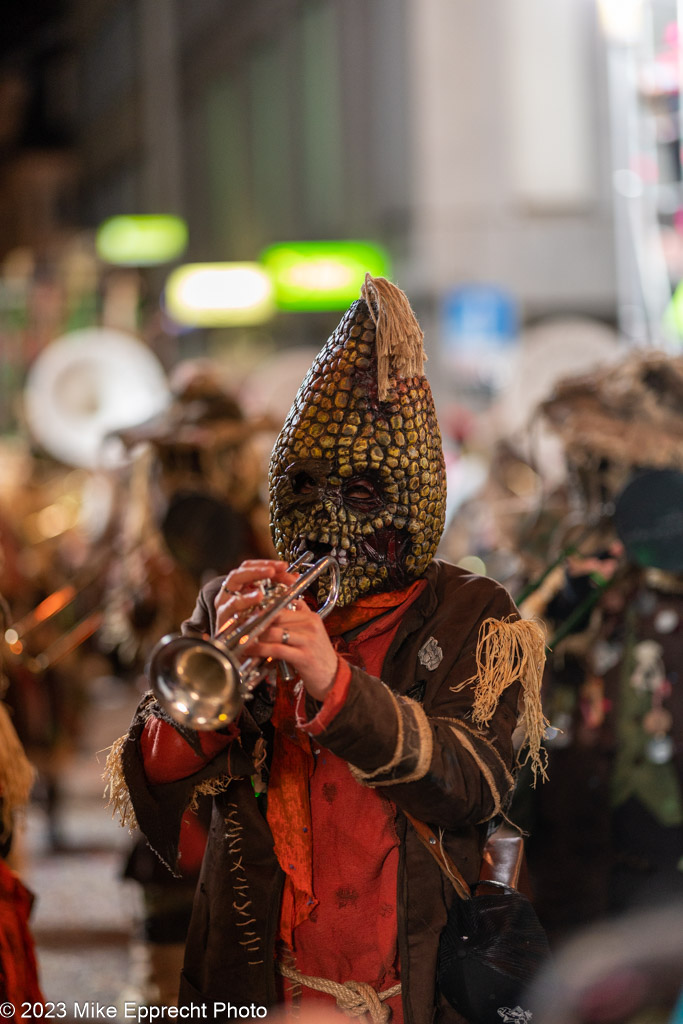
(493, 944)
(492, 947)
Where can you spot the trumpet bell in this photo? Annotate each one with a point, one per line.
(197, 681)
(202, 683)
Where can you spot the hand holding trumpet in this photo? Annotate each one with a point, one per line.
(297, 635)
(203, 681)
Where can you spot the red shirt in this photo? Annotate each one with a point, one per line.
(350, 931)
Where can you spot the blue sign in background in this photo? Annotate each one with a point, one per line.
(479, 312)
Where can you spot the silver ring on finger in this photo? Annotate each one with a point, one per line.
(226, 588)
(285, 636)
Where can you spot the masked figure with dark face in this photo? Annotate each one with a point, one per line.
(358, 469)
(404, 699)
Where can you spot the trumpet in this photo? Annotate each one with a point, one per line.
(203, 683)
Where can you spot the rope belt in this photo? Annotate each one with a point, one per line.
(354, 998)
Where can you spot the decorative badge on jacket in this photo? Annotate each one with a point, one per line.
(430, 654)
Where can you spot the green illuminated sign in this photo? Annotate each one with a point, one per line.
(673, 314)
(141, 240)
(322, 276)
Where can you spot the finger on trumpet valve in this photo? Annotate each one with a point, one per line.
(202, 682)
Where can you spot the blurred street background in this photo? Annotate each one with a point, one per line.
(191, 194)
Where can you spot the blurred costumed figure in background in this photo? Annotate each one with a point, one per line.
(192, 506)
(196, 486)
(607, 829)
(52, 579)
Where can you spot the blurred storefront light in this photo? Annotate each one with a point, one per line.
(219, 295)
(621, 19)
(141, 240)
(322, 276)
(673, 315)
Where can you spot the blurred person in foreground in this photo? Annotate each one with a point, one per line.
(18, 967)
(314, 887)
(624, 971)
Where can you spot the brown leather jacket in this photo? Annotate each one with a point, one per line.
(411, 736)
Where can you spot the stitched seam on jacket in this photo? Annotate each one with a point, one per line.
(252, 941)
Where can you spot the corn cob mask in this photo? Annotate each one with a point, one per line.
(358, 470)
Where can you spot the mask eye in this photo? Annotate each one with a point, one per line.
(361, 493)
(303, 484)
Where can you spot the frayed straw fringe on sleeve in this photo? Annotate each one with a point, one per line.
(17, 774)
(116, 790)
(118, 796)
(210, 787)
(507, 652)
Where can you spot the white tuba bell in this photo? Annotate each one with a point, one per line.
(87, 384)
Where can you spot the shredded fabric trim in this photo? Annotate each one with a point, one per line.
(510, 651)
(465, 735)
(466, 742)
(425, 738)
(17, 774)
(115, 790)
(416, 758)
(457, 725)
(209, 787)
(398, 336)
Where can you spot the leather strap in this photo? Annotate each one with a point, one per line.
(437, 851)
(502, 859)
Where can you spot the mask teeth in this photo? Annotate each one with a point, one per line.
(341, 556)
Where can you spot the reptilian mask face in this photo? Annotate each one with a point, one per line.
(357, 476)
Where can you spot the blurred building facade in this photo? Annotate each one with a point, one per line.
(470, 139)
(38, 161)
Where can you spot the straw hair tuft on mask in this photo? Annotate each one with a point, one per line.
(399, 339)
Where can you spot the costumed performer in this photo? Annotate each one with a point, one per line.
(406, 699)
